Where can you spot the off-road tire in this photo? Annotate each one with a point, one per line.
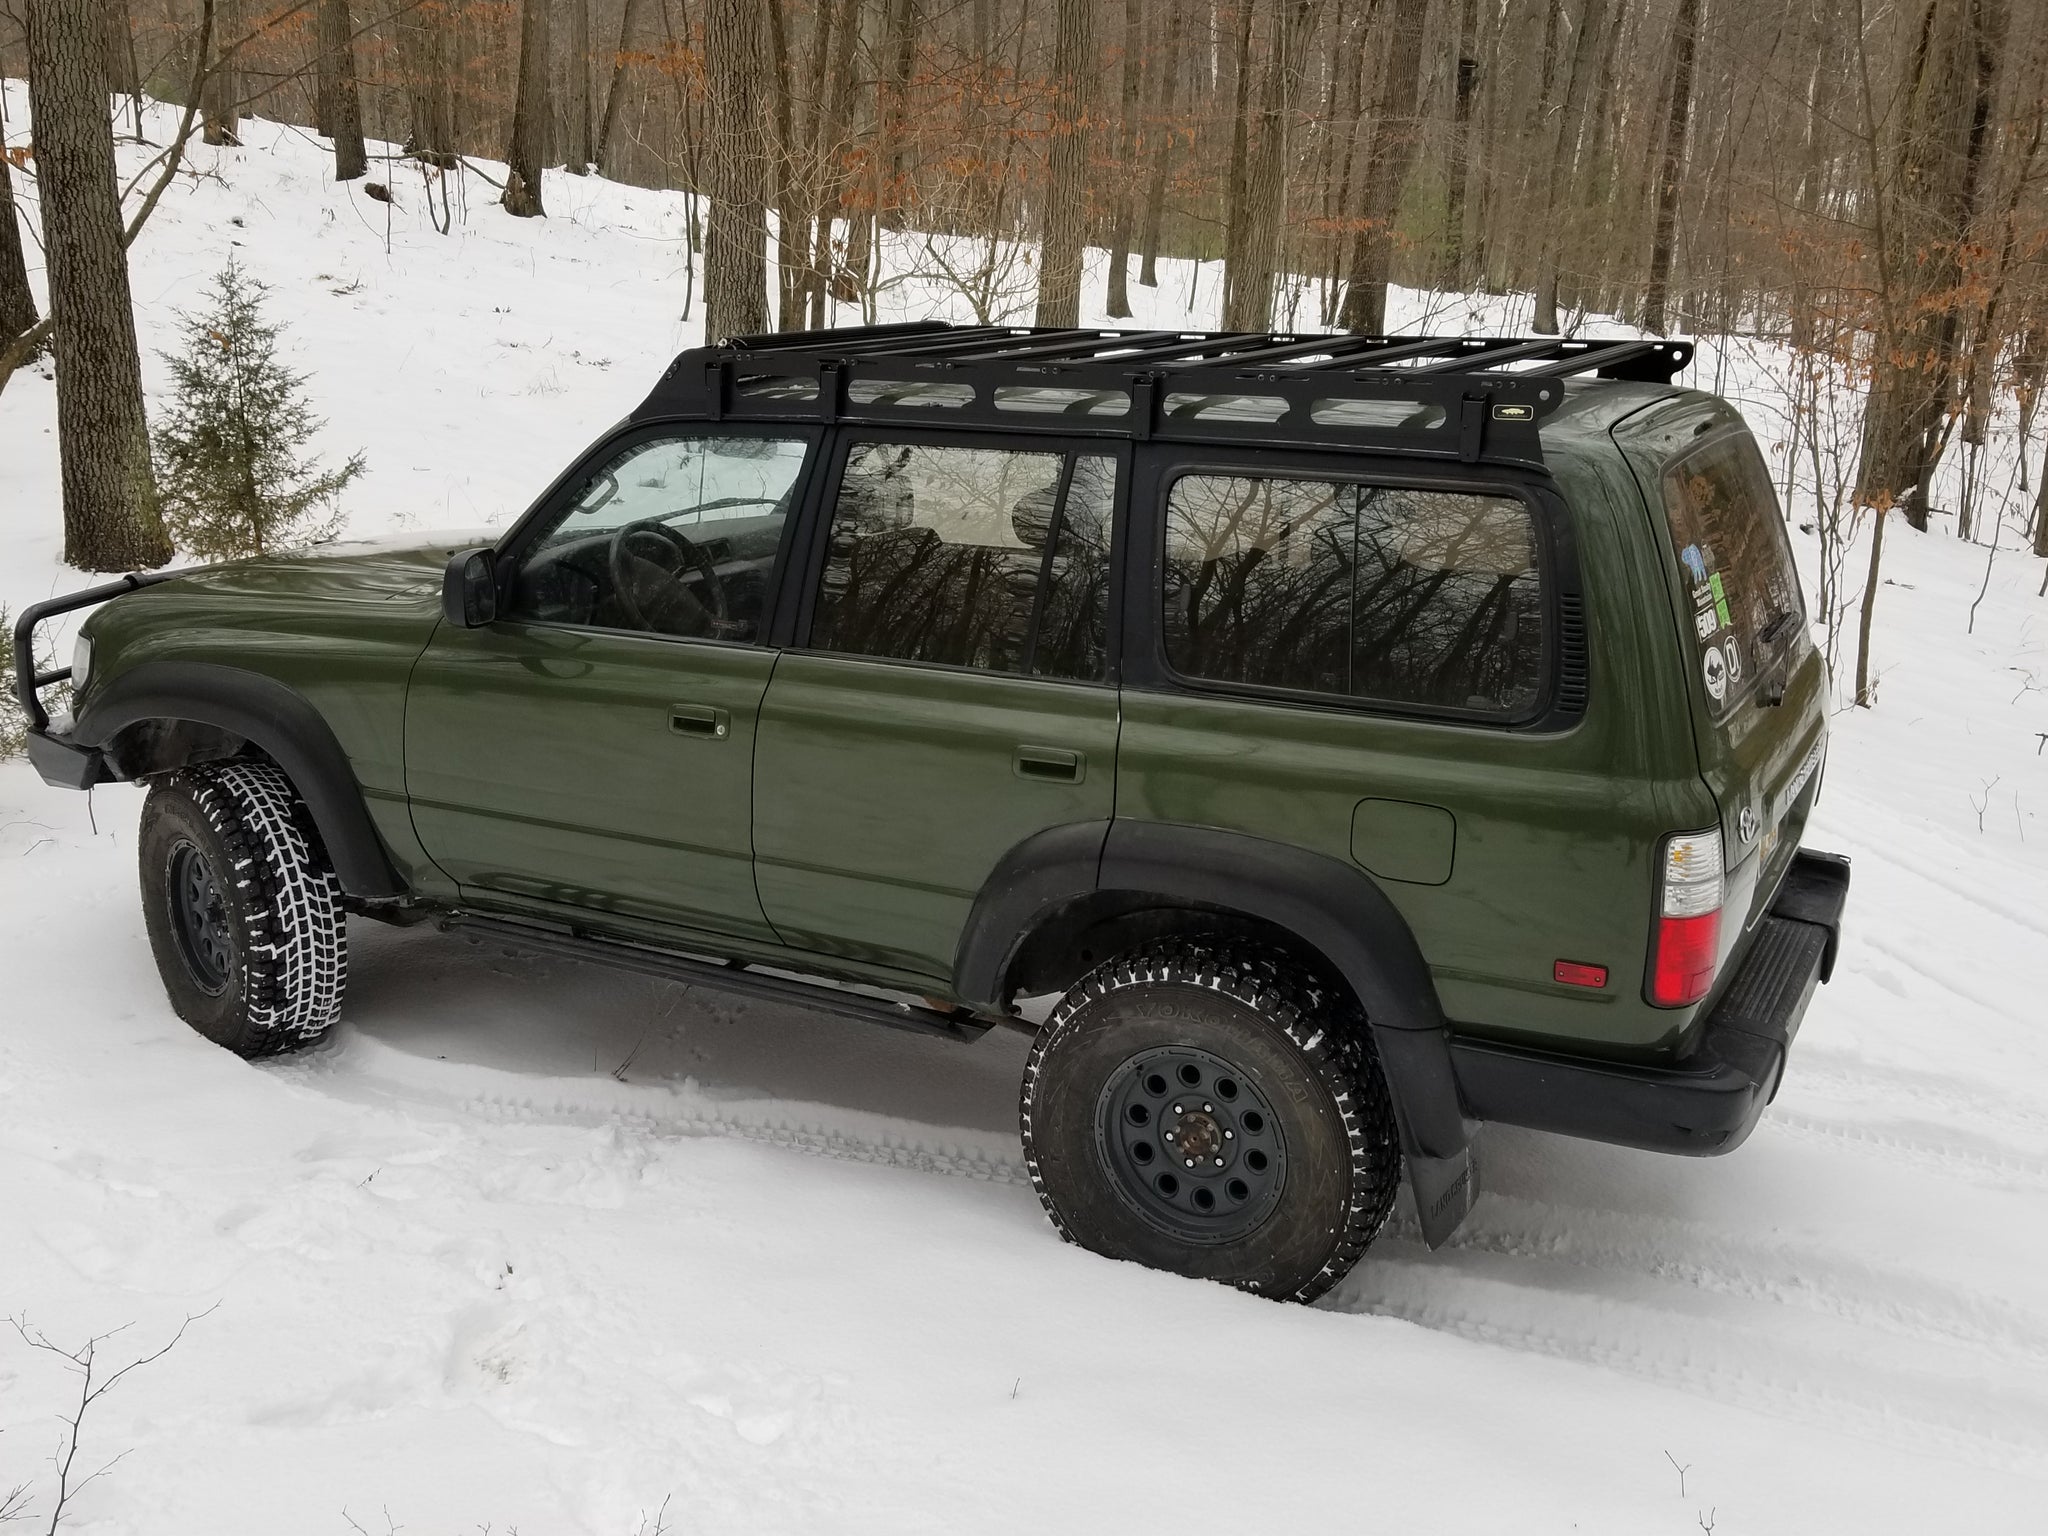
(275, 947)
(1296, 1041)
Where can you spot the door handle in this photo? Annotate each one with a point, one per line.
(703, 720)
(1053, 764)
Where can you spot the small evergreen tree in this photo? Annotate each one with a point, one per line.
(229, 464)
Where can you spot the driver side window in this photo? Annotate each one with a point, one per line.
(671, 535)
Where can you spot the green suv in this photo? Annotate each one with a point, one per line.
(1321, 745)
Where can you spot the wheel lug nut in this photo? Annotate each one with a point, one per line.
(1208, 1109)
(1191, 1162)
(1178, 1110)
(1219, 1162)
(1230, 1135)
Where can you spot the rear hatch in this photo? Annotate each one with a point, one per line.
(1758, 685)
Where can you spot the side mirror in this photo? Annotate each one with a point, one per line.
(469, 589)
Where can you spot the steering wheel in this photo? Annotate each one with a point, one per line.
(673, 609)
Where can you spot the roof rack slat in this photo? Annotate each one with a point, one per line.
(1595, 356)
(1079, 346)
(1482, 358)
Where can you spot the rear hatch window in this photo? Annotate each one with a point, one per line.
(1729, 541)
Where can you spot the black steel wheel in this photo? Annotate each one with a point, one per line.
(1191, 1144)
(1214, 1110)
(244, 912)
(199, 918)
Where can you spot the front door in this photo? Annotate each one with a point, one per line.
(593, 749)
(952, 697)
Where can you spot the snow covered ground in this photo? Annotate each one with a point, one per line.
(530, 1246)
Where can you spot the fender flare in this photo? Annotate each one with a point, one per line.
(1332, 906)
(270, 715)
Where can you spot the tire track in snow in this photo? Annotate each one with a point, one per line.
(368, 1068)
(1970, 1419)
(1613, 1290)
(2001, 1166)
(1781, 1275)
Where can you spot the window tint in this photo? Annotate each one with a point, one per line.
(1406, 596)
(966, 557)
(670, 535)
(1730, 543)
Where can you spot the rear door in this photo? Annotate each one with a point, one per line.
(1758, 685)
(950, 695)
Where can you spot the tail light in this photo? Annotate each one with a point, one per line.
(1690, 890)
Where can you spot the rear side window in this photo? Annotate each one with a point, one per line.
(969, 557)
(1728, 537)
(1405, 596)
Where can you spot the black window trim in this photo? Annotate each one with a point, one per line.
(512, 546)
(1557, 571)
(830, 471)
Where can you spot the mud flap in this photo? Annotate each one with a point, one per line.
(1436, 1138)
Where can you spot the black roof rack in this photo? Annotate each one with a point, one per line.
(1468, 398)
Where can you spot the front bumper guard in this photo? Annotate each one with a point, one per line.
(1709, 1100)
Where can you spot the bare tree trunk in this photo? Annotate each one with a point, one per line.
(735, 241)
(576, 127)
(1933, 194)
(341, 111)
(1464, 86)
(530, 115)
(1127, 137)
(1671, 166)
(123, 75)
(17, 300)
(1560, 187)
(423, 50)
(1162, 151)
(1059, 268)
(111, 521)
(613, 99)
(221, 94)
(792, 235)
(1395, 138)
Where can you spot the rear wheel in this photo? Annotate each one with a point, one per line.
(1213, 1110)
(244, 912)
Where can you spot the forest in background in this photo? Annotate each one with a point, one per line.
(1862, 183)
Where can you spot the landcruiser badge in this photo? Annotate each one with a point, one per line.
(1716, 673)
(1513, 412)
(1745, 824)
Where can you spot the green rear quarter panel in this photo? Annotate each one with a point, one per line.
(344, 629)
(1553, 850)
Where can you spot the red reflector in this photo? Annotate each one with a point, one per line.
(1683, 970)
(1574, 973)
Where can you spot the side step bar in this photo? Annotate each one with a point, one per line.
(730, 976)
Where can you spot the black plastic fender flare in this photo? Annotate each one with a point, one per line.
(270, 715)
(1334, 907)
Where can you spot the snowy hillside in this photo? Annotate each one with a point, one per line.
(531, 1247)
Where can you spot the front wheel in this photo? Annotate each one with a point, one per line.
(243, 910)
(1216, 1111)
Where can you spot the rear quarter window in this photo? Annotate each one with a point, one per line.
(1728, 537)
(1410, 597)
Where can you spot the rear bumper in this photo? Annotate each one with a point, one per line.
(1709, 1100)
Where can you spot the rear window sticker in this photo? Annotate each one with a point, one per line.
(1734, 659)
(1715, 668)
(1707, 622)
(1695, 562)
(1720, 597)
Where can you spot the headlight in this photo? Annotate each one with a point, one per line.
(81, 664)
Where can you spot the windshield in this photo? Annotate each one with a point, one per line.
(1730, 544)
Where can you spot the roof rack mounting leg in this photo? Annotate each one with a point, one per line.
(1472, 428)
